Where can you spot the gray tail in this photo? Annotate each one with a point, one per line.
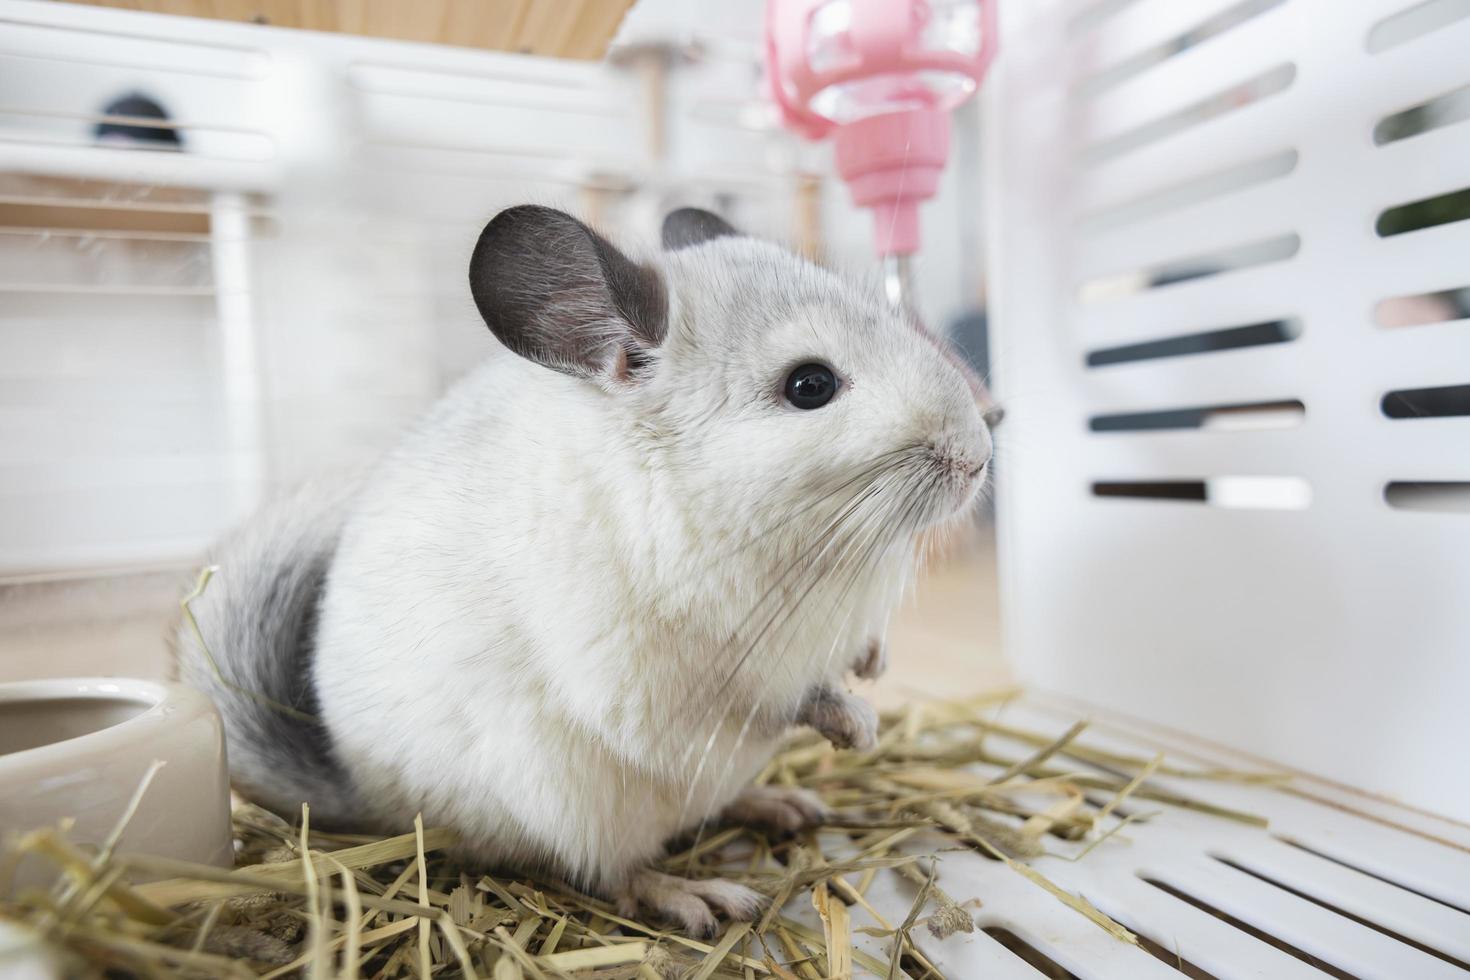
(257, 617)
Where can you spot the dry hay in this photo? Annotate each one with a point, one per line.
(306, 903)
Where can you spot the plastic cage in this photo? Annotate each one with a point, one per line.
(1227, 294)
(1228, 274)
(1229, 260)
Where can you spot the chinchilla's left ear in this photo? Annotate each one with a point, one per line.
(557, 293)
(691, 226)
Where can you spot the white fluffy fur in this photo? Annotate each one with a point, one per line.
(531, 628)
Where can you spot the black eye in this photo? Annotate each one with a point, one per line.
(811, 386)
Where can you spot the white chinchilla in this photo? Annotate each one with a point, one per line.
(574, 612)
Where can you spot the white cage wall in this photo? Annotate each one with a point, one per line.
(1237, 566)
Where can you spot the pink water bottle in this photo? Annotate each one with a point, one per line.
(880, 76)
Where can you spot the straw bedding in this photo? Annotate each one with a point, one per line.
(943, 777)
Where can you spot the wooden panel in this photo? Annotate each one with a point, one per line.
(555, 28)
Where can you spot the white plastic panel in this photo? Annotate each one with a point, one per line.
(1330, 637)
(1327, 881)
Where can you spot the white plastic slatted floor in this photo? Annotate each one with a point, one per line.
(1350, 886)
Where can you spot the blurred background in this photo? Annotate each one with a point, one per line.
(234, 250)
(235, 235)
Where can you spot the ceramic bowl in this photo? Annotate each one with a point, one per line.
(78, 748)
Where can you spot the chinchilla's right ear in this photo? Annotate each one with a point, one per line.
(556, 292)
(693, 226)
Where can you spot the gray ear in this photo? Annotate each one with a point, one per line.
(691, 226)
(554, 291)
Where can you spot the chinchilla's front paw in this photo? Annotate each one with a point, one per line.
(873, 661)
(847, 721)
(784, 808)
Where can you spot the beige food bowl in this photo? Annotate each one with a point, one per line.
(79, 748)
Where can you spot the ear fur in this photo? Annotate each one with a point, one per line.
(555, 292)
(692, 226)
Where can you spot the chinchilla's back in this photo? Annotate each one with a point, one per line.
(258, 618)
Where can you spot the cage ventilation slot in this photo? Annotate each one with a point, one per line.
(1137, 64)
(1336, 910)
(1022, 950)
(1413, 22)
(1423, 309)
(1358, 868)
(1216, 418)
(1251, 930)
(1433, 496)
(1428, 212)
(1445, 401)
(1228, 492)
(1205, 342)
(1425, 117)
(1231, 492)
(1175, 197)
(1170, 956)
(1247, 92)
(1220, 262)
